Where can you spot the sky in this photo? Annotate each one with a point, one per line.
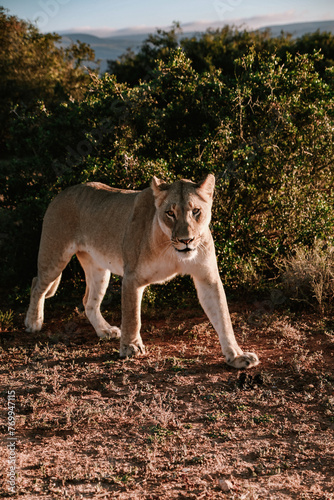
(104, 17)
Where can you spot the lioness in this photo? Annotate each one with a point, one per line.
(145, 236)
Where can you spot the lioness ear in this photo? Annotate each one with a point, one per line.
(208, 185)
(158, 185)
(155, 185)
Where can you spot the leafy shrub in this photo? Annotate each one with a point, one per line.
(266, 133)
(34, 68)
(6, 320)
(216, 49)
(274, 190)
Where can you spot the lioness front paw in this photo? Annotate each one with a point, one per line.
(111, 332)
(127, 351)
(245, 360)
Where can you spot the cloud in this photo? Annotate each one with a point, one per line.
(255, 22)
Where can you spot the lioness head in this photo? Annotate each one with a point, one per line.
(184, 212)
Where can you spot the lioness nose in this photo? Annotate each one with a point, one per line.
(186, 242)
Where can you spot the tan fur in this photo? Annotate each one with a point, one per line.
(145, 236)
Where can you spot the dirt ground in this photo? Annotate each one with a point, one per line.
(175, 423)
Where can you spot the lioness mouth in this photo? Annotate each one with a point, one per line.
(185, 249)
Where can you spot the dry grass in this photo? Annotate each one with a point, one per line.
(177, 422)
(308, 275)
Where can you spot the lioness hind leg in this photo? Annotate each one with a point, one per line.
(97, 280)
(51, 263)
(42, 287)
(53, 287)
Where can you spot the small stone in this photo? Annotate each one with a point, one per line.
(225, 485)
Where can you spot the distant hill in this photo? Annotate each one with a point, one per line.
(300, 29)
(106, 48)
(110, 48)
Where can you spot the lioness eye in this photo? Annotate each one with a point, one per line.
(196, 211)
(170, 213)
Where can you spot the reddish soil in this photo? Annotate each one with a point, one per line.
(177, 422)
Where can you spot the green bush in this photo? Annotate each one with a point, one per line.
(217, 49)
(266, 133)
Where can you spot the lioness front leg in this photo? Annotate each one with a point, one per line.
(131, 341)
(213, 300)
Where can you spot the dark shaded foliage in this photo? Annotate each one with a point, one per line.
(266, 132)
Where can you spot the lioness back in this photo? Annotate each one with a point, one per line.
(78, 217)
(86, 208)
